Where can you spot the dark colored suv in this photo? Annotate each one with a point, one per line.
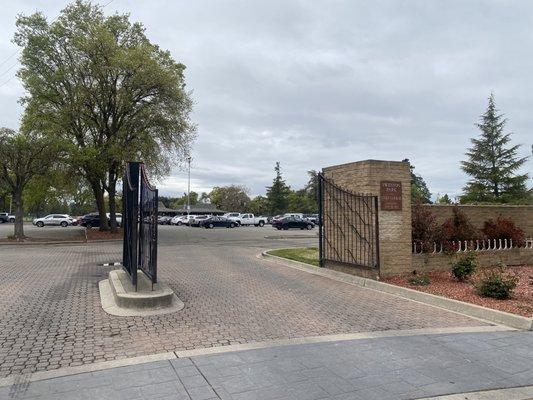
(90, 221)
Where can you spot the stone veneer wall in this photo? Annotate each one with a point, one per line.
(394, 226)
(443, 262)
(478, 214)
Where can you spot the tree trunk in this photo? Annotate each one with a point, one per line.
(112, 204)
(4, 203)
(19, 215)
(112, 192)
(98, 192)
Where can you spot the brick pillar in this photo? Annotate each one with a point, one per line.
(381, 178)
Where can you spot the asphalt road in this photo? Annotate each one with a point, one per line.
(46, 232)
(174, 235)
(242, 236)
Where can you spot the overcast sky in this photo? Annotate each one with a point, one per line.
(318, 83)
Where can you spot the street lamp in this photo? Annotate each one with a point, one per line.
(189, 188)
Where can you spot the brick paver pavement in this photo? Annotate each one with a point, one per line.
(393, 368)
(50, 313)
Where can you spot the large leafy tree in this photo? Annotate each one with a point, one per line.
(230, 198)
(493, 163)
(278, 194)
(101, 85)
(5, 196)
(24, 156)
(300, 201)
(258, 205)
(311, 190)
(180, 202)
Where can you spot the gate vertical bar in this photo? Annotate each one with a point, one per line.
(320, 222)
(154, 239)
(376, 225)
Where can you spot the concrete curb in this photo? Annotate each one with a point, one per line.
(103, 365)
(517, 393)
(471, 310)
(73, 242)
(338, 338)
(99, 366)
(52, 242)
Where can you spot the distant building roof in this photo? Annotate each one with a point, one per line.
(206, 208)
(202, 208)
(162, 208)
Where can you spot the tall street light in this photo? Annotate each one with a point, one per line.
(189, 188)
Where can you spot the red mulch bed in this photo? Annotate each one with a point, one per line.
(443, 284)
(96, 234)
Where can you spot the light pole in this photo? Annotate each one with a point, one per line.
(189, 188)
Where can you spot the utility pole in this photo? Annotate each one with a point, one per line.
(189, 188)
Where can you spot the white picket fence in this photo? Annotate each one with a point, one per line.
(470, 245)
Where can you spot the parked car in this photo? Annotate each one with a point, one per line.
(297, 215)
(251, 219)
(311, 217)
(118, 217)
(292, 223)
(4, 217)
(275, 218)
(11, 217)
(234, 216)
(164, 220)
(90, 220)
(267, 218)
(63, 220)
(216, 221)
(180, 220)
(195, 219)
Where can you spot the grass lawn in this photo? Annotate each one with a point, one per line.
(308, 255)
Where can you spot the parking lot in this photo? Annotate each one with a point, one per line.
(45, 233)
(169, 235)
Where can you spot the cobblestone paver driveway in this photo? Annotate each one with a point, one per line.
(50, 313)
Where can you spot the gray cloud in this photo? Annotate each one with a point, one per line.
(313, 84)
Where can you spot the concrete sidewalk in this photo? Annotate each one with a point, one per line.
(401, 367)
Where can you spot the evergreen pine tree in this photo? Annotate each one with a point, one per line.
(278, 194)
(492, 164)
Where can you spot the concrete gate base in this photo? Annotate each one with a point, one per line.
(119, 298)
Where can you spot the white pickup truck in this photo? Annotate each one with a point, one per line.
(233, 216)
(250, 219)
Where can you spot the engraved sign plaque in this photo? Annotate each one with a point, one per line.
(390, 196)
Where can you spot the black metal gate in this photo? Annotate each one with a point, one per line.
(139, 220)
(130, 216)
(148, 228)
(349, 231)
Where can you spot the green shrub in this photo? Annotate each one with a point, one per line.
(497, 283)
(463, 269)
